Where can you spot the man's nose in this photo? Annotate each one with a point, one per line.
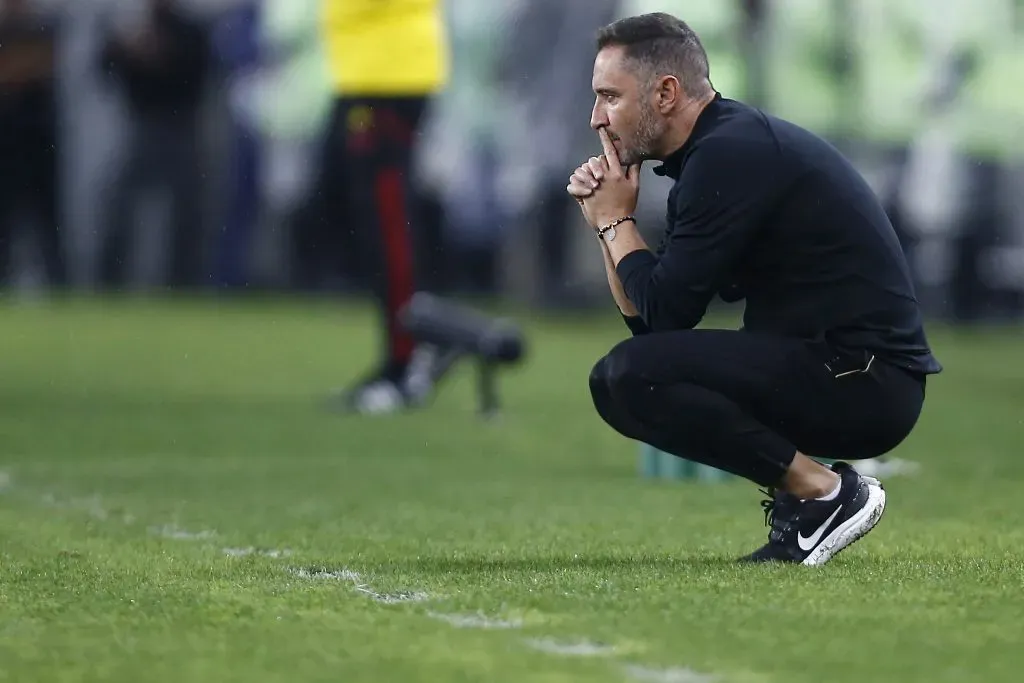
(597, 118)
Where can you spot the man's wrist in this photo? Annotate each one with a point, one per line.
(610, 217)
(606, 231)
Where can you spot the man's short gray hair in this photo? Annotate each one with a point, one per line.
(659, 44)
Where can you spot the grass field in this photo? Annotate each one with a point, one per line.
(176, 505)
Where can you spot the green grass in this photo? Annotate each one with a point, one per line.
(119, 420)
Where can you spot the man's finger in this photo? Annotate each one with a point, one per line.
(578, 189)
(582, 182)
(584, 175)
(597, 167)
(609, 150)
(578, 193)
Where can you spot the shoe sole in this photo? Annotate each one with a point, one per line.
(850, 531)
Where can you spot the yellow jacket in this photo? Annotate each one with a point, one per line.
(385, 47)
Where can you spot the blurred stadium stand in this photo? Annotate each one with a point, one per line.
(928, 103)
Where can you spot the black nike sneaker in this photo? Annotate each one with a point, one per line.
(811, 532)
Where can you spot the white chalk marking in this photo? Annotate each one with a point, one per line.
(355, 578)
(92, 506)
(342, 575)
(393, 598)
(674, 675)
(476, 621)
(178, 534)
(581, 648)
(244, 552)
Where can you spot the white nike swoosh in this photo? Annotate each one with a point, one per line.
(812, 540)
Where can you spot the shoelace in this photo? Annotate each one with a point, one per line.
(777, 515)
(768, 505)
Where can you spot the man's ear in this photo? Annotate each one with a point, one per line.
(669, 93)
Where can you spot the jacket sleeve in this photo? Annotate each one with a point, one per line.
(725, 192)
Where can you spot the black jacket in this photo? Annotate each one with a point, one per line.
(764, 210)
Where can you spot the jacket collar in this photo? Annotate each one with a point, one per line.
(672, 166)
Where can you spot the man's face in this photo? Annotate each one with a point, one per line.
(625, 107)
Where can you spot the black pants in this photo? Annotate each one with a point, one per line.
(366, 204)
(746, 403)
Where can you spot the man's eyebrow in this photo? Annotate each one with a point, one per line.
(606, 91)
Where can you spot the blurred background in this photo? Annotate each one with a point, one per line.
(195, 211)
(208, 175)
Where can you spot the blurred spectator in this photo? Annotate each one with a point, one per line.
(386, 60)
(546, 72)
(292, 103)
(288, 98)
(459, 159)
(28, 137)
(162, 67)
(236, 42)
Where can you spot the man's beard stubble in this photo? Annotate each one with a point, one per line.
(648, 131)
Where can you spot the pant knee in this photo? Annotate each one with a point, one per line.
(600, 391)
(616, 413)
(613, 385)
(622, 375)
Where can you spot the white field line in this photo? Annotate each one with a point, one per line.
(93, 506)
(341, 575)
(477, 620)
(176, 533)
(357, 585)
(673, 675)
(578, 648)
(245, 552)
